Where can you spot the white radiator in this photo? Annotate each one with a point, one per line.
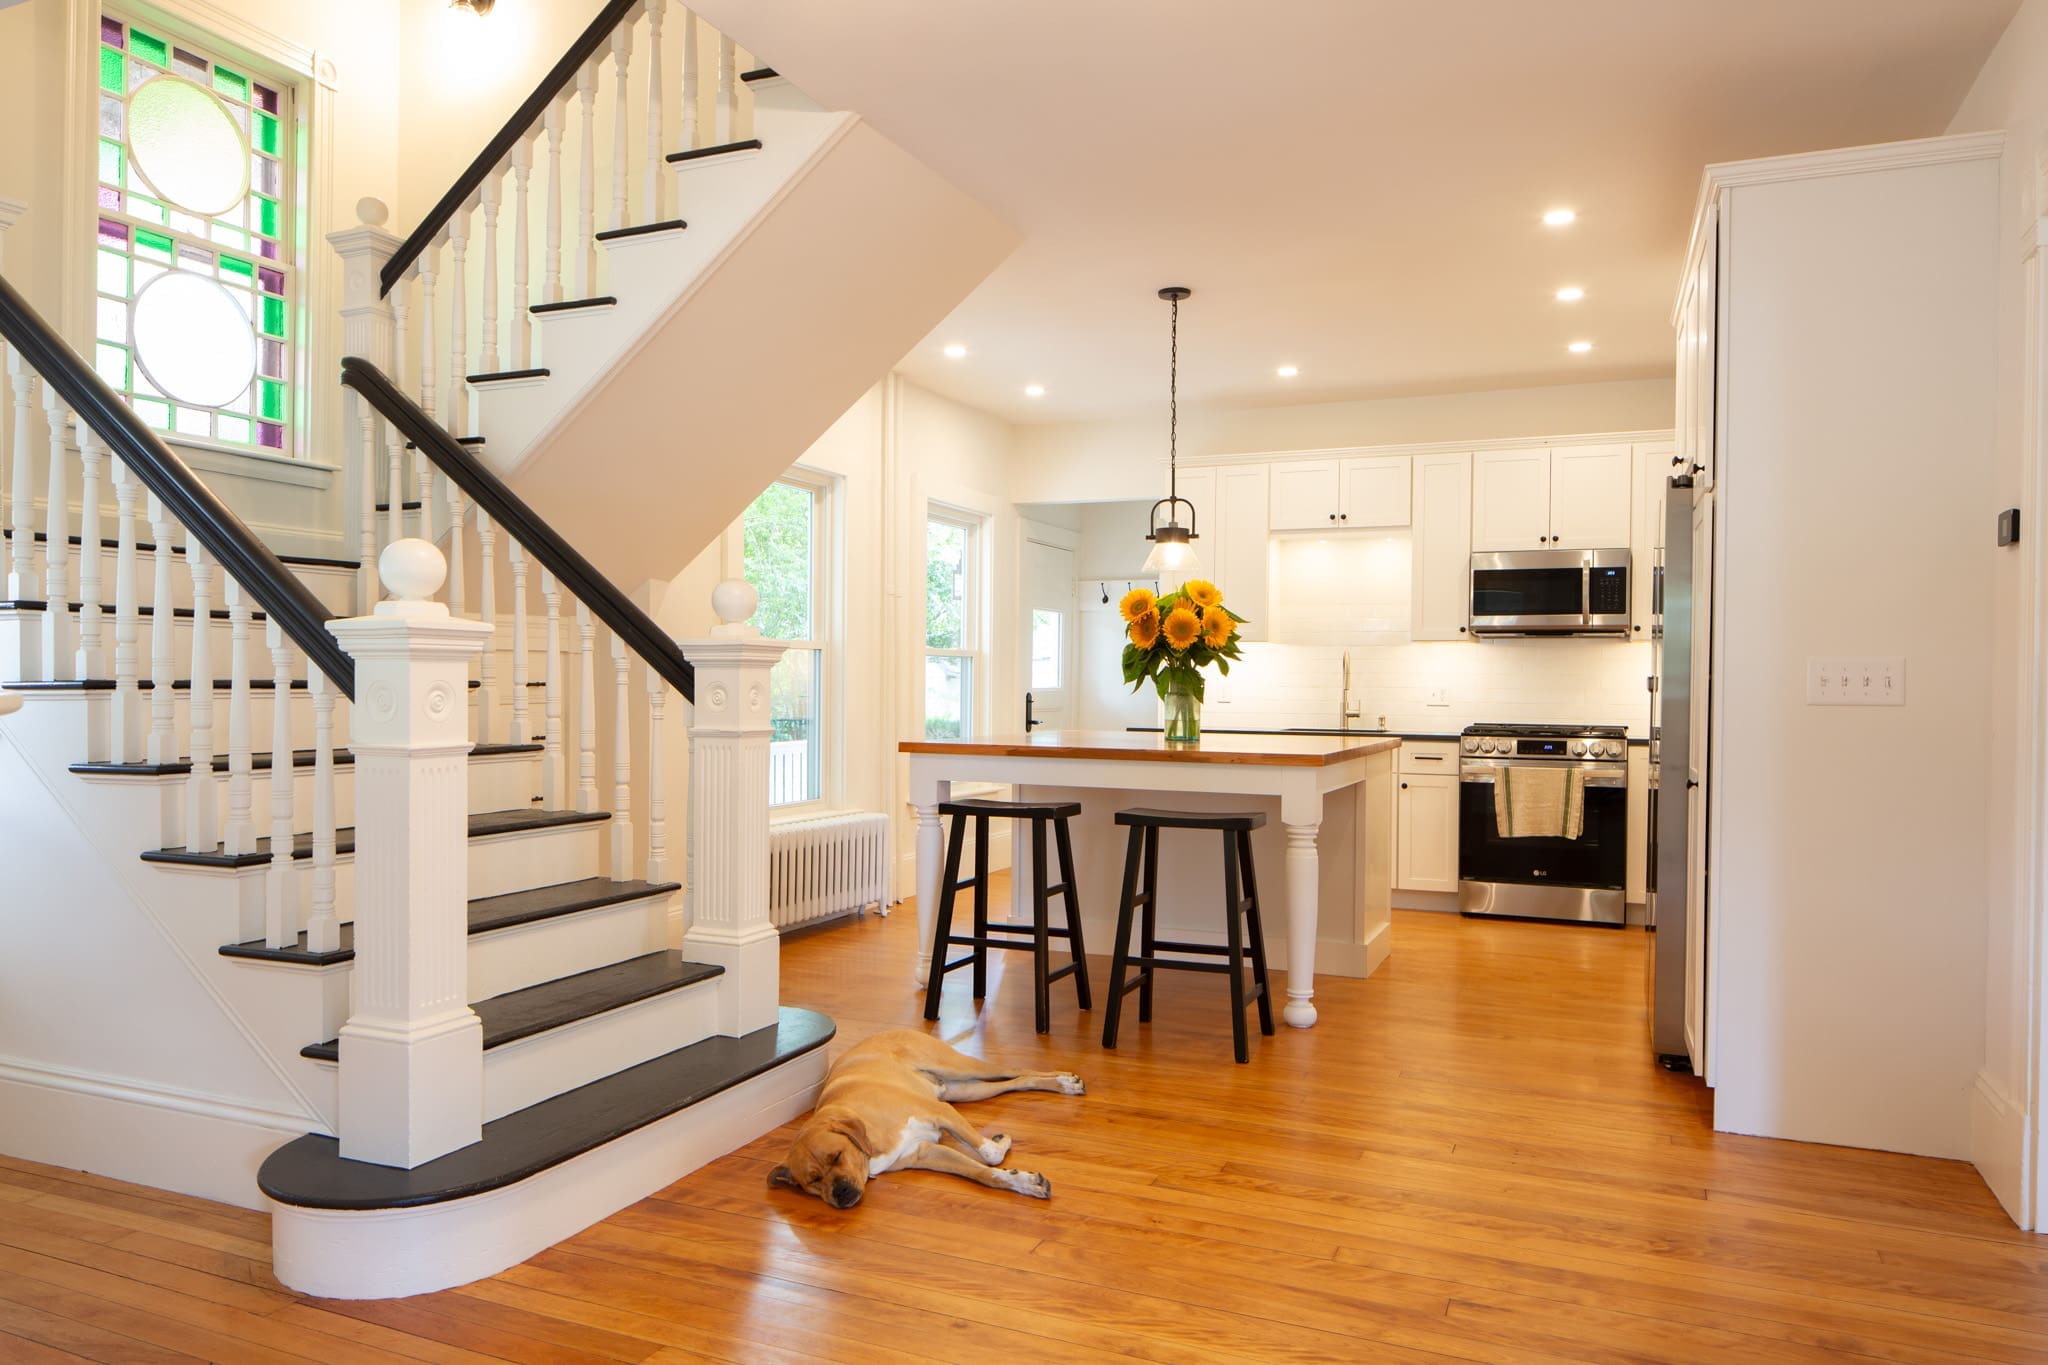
(833, 865)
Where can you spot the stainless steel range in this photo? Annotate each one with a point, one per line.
(1582, 878)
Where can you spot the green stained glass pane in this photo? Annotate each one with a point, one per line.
(239, 429)
(152, 245)
(273, 316)
(266, 134)
(110, 70)
(229, 83)
(149, 47)
(153, 411)
(266, 216)
(110, 161)
(112, 364)
(112, 274)
(230, 266)
(273, 399)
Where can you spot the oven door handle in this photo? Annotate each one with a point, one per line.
(1603, 780)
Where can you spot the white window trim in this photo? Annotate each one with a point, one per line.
(974, 620)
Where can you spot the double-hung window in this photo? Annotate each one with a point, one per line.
(952, 626)
(195, 246)
(784, 534)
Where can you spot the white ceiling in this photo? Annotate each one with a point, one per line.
(1351, 186)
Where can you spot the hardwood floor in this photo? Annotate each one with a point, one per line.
(1471, 1157)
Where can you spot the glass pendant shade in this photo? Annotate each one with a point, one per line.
(1171, 553)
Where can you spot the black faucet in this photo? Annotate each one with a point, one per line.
(1031, 722)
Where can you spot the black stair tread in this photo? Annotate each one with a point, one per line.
(480, 826)
(666, 225)
(310, 1172)
(752, 144)
(521, 1014)
(149, 547)
(497, 376)
(403, 507)
(259, 760)
(146, 685)
(571, 305)
(485, 914)
(760, 73)
(107, 610)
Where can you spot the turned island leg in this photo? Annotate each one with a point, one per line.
(1304, 884)
(925, 797)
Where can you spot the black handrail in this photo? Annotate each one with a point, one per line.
(247, 560)
(518, 520)
(471, 180)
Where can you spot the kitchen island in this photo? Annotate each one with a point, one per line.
(1324, 860)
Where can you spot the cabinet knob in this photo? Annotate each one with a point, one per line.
(1344, 517)
(1461, 630)
(1333, 516)
(1404, 786)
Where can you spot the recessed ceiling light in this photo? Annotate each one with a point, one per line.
(1034, 390)
(1571, 293)
(1559, 217)
(954, 350)
(1287, 371)
(1580, 347)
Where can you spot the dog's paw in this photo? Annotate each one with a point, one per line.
(995, 1149)
(1070, 1084)
(1031, 1183)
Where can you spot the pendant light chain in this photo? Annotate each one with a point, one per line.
(1173, 412)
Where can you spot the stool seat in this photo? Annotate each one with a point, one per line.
(1012, 810)
(1149, 818)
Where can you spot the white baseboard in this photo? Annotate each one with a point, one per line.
(1998, 1146)
(173, 1140)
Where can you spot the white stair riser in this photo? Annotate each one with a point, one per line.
(519, 862)
(529, 1071)
(528, 954)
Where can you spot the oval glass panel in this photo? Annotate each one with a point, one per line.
(193, 341)
(187, 146)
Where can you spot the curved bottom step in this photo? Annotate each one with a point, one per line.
(345, 1229)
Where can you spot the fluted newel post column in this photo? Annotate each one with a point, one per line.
(728, 842)
(412, 1049)
(368, 330)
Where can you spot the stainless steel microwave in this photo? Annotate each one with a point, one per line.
(1550, 592)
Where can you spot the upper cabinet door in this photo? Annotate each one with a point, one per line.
(1646, 541)
(1590, 506)
(1511, 500)
(1237, 554)
(1443, 548)
(1375, 492)
(1306, 495)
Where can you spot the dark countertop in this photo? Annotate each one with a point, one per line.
(1446, 737)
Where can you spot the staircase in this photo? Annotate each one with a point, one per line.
(345, 888)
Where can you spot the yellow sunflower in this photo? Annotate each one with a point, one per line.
(1183, 628)
(1201, 592)
(1216, 627)
(1145, 629)
(1137, 602)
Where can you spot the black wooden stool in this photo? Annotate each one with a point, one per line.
(1241, 904)
(1040, 931)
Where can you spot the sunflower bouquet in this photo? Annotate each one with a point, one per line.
(1172, 639)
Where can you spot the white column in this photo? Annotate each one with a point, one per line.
(367, 331)
(412, 1050)
(728, 816)
(1303, 888)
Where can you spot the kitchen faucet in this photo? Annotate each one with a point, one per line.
(1348, 710)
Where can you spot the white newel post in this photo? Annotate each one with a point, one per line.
(728, 839)
(412, 1049)
(368, 330)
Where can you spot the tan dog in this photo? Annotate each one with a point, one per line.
(886, 1105)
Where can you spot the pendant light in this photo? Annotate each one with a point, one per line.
(1173, 553)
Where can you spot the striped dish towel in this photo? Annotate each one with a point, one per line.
(1539, 803)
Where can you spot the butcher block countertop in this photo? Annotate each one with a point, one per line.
(1272, 751)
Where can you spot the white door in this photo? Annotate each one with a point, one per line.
(1049, 631)
(1375, 492)
(1590, 508)
(1306, 495)
(1239, 550)
(1426, 852)
(1697, 776)
(1442, 607)
(1511, 500)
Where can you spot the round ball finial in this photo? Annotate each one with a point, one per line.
(734, 600)
(413, 570)
(372, 212)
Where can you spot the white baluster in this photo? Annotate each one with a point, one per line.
(622, 762)
(359, 428)
(423, 468)
(239, 834)
(323, 928)
(163, 737)
(21, 573)
(657, 798)
(689, 136)
(92, 660)
(492, 192)
(487, 609)
(726, 96)
(458, 509)
(622, 53)
(124, 731)
(586, 183)
(394, 525)
(522, 723)
(586, 710)
(657, 117)
(457, 419)
(202, 804)
(522, 266)
(551, 123)
(551, 797)
(280, 898)
(59, 638)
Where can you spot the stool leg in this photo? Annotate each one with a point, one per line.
(1150, 935)
(1121, 950)
(1234, 923)
(1041, 941)
(1258, 933)
(980, 906)
(1074, 944)
(942, 930)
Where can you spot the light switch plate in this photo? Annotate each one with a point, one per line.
(1439, 696)
(1846, 681)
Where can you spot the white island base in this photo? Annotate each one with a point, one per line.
(1324, 860)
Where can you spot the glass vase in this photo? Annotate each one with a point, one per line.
(1183, 712)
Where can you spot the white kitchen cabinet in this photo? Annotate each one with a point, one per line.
(1698, 320)
(1426, 818)
(1590, 507)
(1237, 557)
(1646, 540)
(1376, 492)
(1511, 499)
(1306, 494)
(1442, 577)
(1359, 494)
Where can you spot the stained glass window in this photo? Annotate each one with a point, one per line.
(194, 269)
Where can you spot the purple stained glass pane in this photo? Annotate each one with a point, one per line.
(270, 434)
(269, 249)
(110, 198)
(273, 281)
(266, 99)
(110, 32)
(113, 234)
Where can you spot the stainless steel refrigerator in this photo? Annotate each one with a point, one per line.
(1671, 646)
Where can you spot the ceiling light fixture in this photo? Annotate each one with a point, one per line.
(1580, 347)
(1287, 371)
(1560, 218)
(1173, 551)
(954, 350)
(477, 7)
(1571, 293)
(1034, 390)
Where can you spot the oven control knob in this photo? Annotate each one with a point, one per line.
(1578, 748)
(1612, 749)
(1471, 746)
(1485, 746)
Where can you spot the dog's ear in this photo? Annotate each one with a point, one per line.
(856, 1131)
(781, 1176)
